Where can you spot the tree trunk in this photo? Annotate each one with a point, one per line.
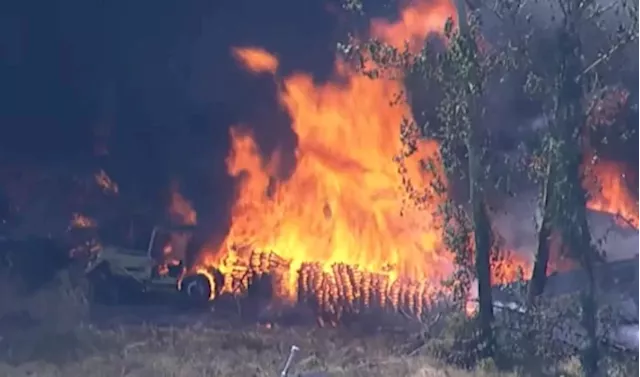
(590, 354)
(480, 218)
(588, 258)
(572, 196)
(539, 275)
(482, 241)
(581, 247)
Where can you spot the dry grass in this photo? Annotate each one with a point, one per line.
(58, 341)
(49, 334)
(164, 352)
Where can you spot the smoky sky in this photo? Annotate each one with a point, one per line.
(154, 82)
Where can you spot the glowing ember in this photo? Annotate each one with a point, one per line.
(104, 181)
(79, 220)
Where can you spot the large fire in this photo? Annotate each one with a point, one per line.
(356, 223)
(341, 226)
(341, 229)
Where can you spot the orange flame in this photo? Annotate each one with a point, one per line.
(608, 191)
(340, 204)
(256, 59)
(416, 22)
(79, 220)
(342, 224)
(180, 208)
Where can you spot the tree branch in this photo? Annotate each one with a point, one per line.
(604, 57)
(600, 11)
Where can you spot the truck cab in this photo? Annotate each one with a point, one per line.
(160, 267)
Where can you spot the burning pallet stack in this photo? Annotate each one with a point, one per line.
(347, 288)
(332, 293)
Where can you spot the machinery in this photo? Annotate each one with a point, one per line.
(119, 274)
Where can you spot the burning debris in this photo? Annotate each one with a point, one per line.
(350, 233)
(343, 232)
(333, 292)
(79, 220)
(608, 192)
(88, 244)
(104, 181)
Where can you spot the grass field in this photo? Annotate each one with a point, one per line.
(162, 352)
(52, 334)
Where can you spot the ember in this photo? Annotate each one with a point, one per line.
(106, 183)
(79, 220)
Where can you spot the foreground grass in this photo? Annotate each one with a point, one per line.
(196, 351)
(48, 334)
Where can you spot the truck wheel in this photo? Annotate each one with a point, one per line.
(197, 288)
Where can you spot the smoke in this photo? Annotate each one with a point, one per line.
(518, 219)
(513, 114)
(148, 93)
(515, 119)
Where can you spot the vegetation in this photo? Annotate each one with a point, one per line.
(54, 344)
(565, 88)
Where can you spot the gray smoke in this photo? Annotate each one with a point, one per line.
(519, 218)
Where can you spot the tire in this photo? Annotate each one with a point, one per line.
(197, 289)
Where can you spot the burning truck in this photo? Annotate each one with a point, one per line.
(118, 272)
